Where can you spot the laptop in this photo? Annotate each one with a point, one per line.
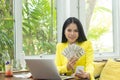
(44, 69)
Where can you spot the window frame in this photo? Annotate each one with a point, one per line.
(17, 13)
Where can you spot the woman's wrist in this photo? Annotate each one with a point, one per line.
(87, 76)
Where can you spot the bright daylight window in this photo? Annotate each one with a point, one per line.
(39, 27)
(6, 30)
(100, 24)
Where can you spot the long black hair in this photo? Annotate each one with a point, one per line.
(81, 37)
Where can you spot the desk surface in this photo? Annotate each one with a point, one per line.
(2, 76)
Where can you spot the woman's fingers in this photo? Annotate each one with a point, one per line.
(73, 59)
(82, 75)
(72, 62)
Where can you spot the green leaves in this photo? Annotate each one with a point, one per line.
(96, 32)
(39, 27)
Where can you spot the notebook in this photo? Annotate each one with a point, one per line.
(44, 69)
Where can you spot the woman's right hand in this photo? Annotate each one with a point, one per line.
(71, 63)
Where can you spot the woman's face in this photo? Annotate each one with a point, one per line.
(71, 33)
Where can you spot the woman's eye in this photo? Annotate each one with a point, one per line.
(76, 30)
(69, 30)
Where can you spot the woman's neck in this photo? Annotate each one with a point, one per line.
(72, 43)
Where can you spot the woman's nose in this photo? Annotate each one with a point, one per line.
(72, 33)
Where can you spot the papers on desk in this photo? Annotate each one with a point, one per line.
(29, 75)
(23, 75)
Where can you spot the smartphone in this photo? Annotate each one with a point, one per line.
(79, 68)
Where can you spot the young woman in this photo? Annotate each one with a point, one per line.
(73, 33)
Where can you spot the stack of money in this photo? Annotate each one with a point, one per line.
(73, 50)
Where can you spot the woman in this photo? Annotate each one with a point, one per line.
(73, 33)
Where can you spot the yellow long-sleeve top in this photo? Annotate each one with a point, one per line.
(86, 60)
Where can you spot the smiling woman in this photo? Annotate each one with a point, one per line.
(67, 60)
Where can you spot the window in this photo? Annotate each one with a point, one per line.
(39, 27)
(102, 26)
(99, 25)
(34, 27)
(6, 30)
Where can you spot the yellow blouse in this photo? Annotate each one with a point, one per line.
(86, 60)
